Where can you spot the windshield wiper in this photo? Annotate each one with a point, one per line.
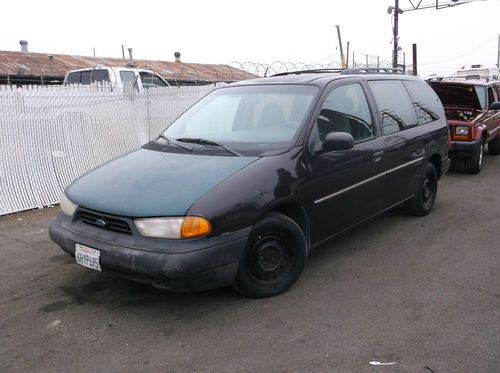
(170, 142)
(207, 143)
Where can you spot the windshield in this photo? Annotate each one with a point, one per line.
(248, 119)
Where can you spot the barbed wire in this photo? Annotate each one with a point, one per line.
(359, 60)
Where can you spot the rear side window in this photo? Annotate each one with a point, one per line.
(425, 101)
(100, 76)
(127, 76)
(394, 105)
(86, 77)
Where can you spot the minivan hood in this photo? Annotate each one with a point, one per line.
(148, 183)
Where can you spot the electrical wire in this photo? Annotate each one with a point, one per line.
(462, 55)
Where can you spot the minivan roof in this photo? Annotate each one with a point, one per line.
(321, 78)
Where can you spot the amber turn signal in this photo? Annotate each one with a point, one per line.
(195, 226)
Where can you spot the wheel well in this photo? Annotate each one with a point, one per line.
(299, 216)
(435, 160)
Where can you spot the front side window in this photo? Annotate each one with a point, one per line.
(481, 95)
(346, 110)
(492, 96)
(73, 78)
(151, 80)
(247, 119)
(127, 76)
(394, 104)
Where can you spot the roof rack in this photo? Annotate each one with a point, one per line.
(373, 70)
(313, 71)
(365, 70)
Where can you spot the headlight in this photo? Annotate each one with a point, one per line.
(67, 206)
(185, 227)
(461, 130)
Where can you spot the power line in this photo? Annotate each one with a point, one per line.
(462, 55)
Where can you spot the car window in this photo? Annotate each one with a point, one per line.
(346, 110)
(100, 76)
(394, 105)
(425, 101)
(151, 80)
(86, 77)
(492, 96)
(481, 95)
(73, 78)
(127, 76)
(498, 91)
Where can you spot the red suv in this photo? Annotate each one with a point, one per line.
(472, 108)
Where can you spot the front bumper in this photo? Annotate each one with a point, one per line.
(463, 149)
(178, 265)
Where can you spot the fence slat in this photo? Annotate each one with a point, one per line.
(51, 135)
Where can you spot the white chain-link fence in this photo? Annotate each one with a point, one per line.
(51, 135)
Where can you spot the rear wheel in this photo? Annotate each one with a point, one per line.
(494, 146)
(474, 163)
(274, 258)
(423, 201)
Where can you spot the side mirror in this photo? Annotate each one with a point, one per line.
(337, 141)
(495, 106)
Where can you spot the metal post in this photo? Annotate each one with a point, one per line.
(415, 58)
(378, 62)
(347, 61)
(366, 61)
(123, 52)
(342, 58)
(498, 55)
(395, 35)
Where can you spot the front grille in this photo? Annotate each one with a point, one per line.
(105, 222)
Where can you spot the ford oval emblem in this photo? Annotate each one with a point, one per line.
(100, 223)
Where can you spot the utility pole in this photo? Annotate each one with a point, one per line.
(342, 57)
(395, 35)
(498, 53)
(415, 71)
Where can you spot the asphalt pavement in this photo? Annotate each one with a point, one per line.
(413, 294)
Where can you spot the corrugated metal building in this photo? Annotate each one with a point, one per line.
(25, 68)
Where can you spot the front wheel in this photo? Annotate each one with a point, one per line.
(474, 163)
(494, 146)
(423, 201)
(275, 256)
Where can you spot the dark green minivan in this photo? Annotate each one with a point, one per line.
(239, 189)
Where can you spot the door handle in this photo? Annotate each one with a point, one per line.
(377, 156)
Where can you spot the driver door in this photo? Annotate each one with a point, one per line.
(345, 186)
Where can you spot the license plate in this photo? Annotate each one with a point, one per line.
(87, 257)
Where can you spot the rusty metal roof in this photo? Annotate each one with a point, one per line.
(47, 65)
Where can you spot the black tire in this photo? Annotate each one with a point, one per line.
(474, 163)
(274, 258)
(494, 146)
(423, 201)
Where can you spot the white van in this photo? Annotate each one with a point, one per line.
(118, 77)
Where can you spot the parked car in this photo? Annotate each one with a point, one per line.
(117, 77)
(242, 186)
(472, 108)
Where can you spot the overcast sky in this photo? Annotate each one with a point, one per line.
(221, 31)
